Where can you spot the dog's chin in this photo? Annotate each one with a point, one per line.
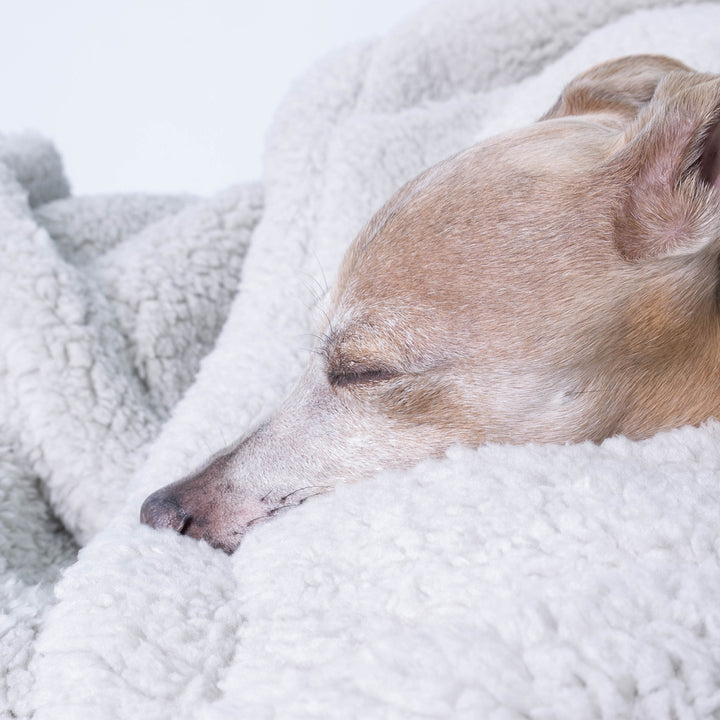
(227, 536)
(228, 542)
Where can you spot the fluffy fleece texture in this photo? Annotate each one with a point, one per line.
(500, 582)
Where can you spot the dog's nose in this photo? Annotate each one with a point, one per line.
(162, 510)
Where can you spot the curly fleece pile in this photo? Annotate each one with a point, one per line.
(139, 334)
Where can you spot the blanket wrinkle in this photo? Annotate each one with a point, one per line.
(84, 228)
(97, 342)
(36, 165)
(139, 334)
(57, 334)
(516, 40)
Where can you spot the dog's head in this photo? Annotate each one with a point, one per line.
(554, 284)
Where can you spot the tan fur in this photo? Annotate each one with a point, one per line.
(554, 284)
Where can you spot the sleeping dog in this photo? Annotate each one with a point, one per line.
(554, 284)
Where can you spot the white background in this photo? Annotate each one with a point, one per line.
(173, 96)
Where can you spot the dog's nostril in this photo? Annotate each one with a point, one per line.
(185, 521)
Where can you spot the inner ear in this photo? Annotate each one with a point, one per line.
(710, 158)
(670, 169)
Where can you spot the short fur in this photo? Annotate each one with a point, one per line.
(555, 284)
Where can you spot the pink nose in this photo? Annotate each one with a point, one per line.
(188, 508)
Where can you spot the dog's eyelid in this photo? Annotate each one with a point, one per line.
(359, 374)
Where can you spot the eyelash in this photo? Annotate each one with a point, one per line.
(359, 377)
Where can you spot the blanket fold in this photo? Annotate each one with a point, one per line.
(108, 304)
(139, 334)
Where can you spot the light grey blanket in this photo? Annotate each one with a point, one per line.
(500, 582)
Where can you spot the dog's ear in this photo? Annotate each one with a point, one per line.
(667, 172)
(622, 86)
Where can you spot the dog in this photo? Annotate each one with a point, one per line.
(555, 284)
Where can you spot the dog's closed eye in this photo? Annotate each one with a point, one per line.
(358, 374)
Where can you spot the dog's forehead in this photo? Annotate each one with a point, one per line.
(469, 227)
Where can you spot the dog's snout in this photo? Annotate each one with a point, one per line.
(162, 510)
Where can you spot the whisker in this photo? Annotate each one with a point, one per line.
(322, 270)
(280, 509)
(319, 492)
(294, 492)
(316, 293)
(314, 339)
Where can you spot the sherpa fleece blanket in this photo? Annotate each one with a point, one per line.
(498, 582)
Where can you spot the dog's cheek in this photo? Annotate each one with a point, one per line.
(430, 410)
